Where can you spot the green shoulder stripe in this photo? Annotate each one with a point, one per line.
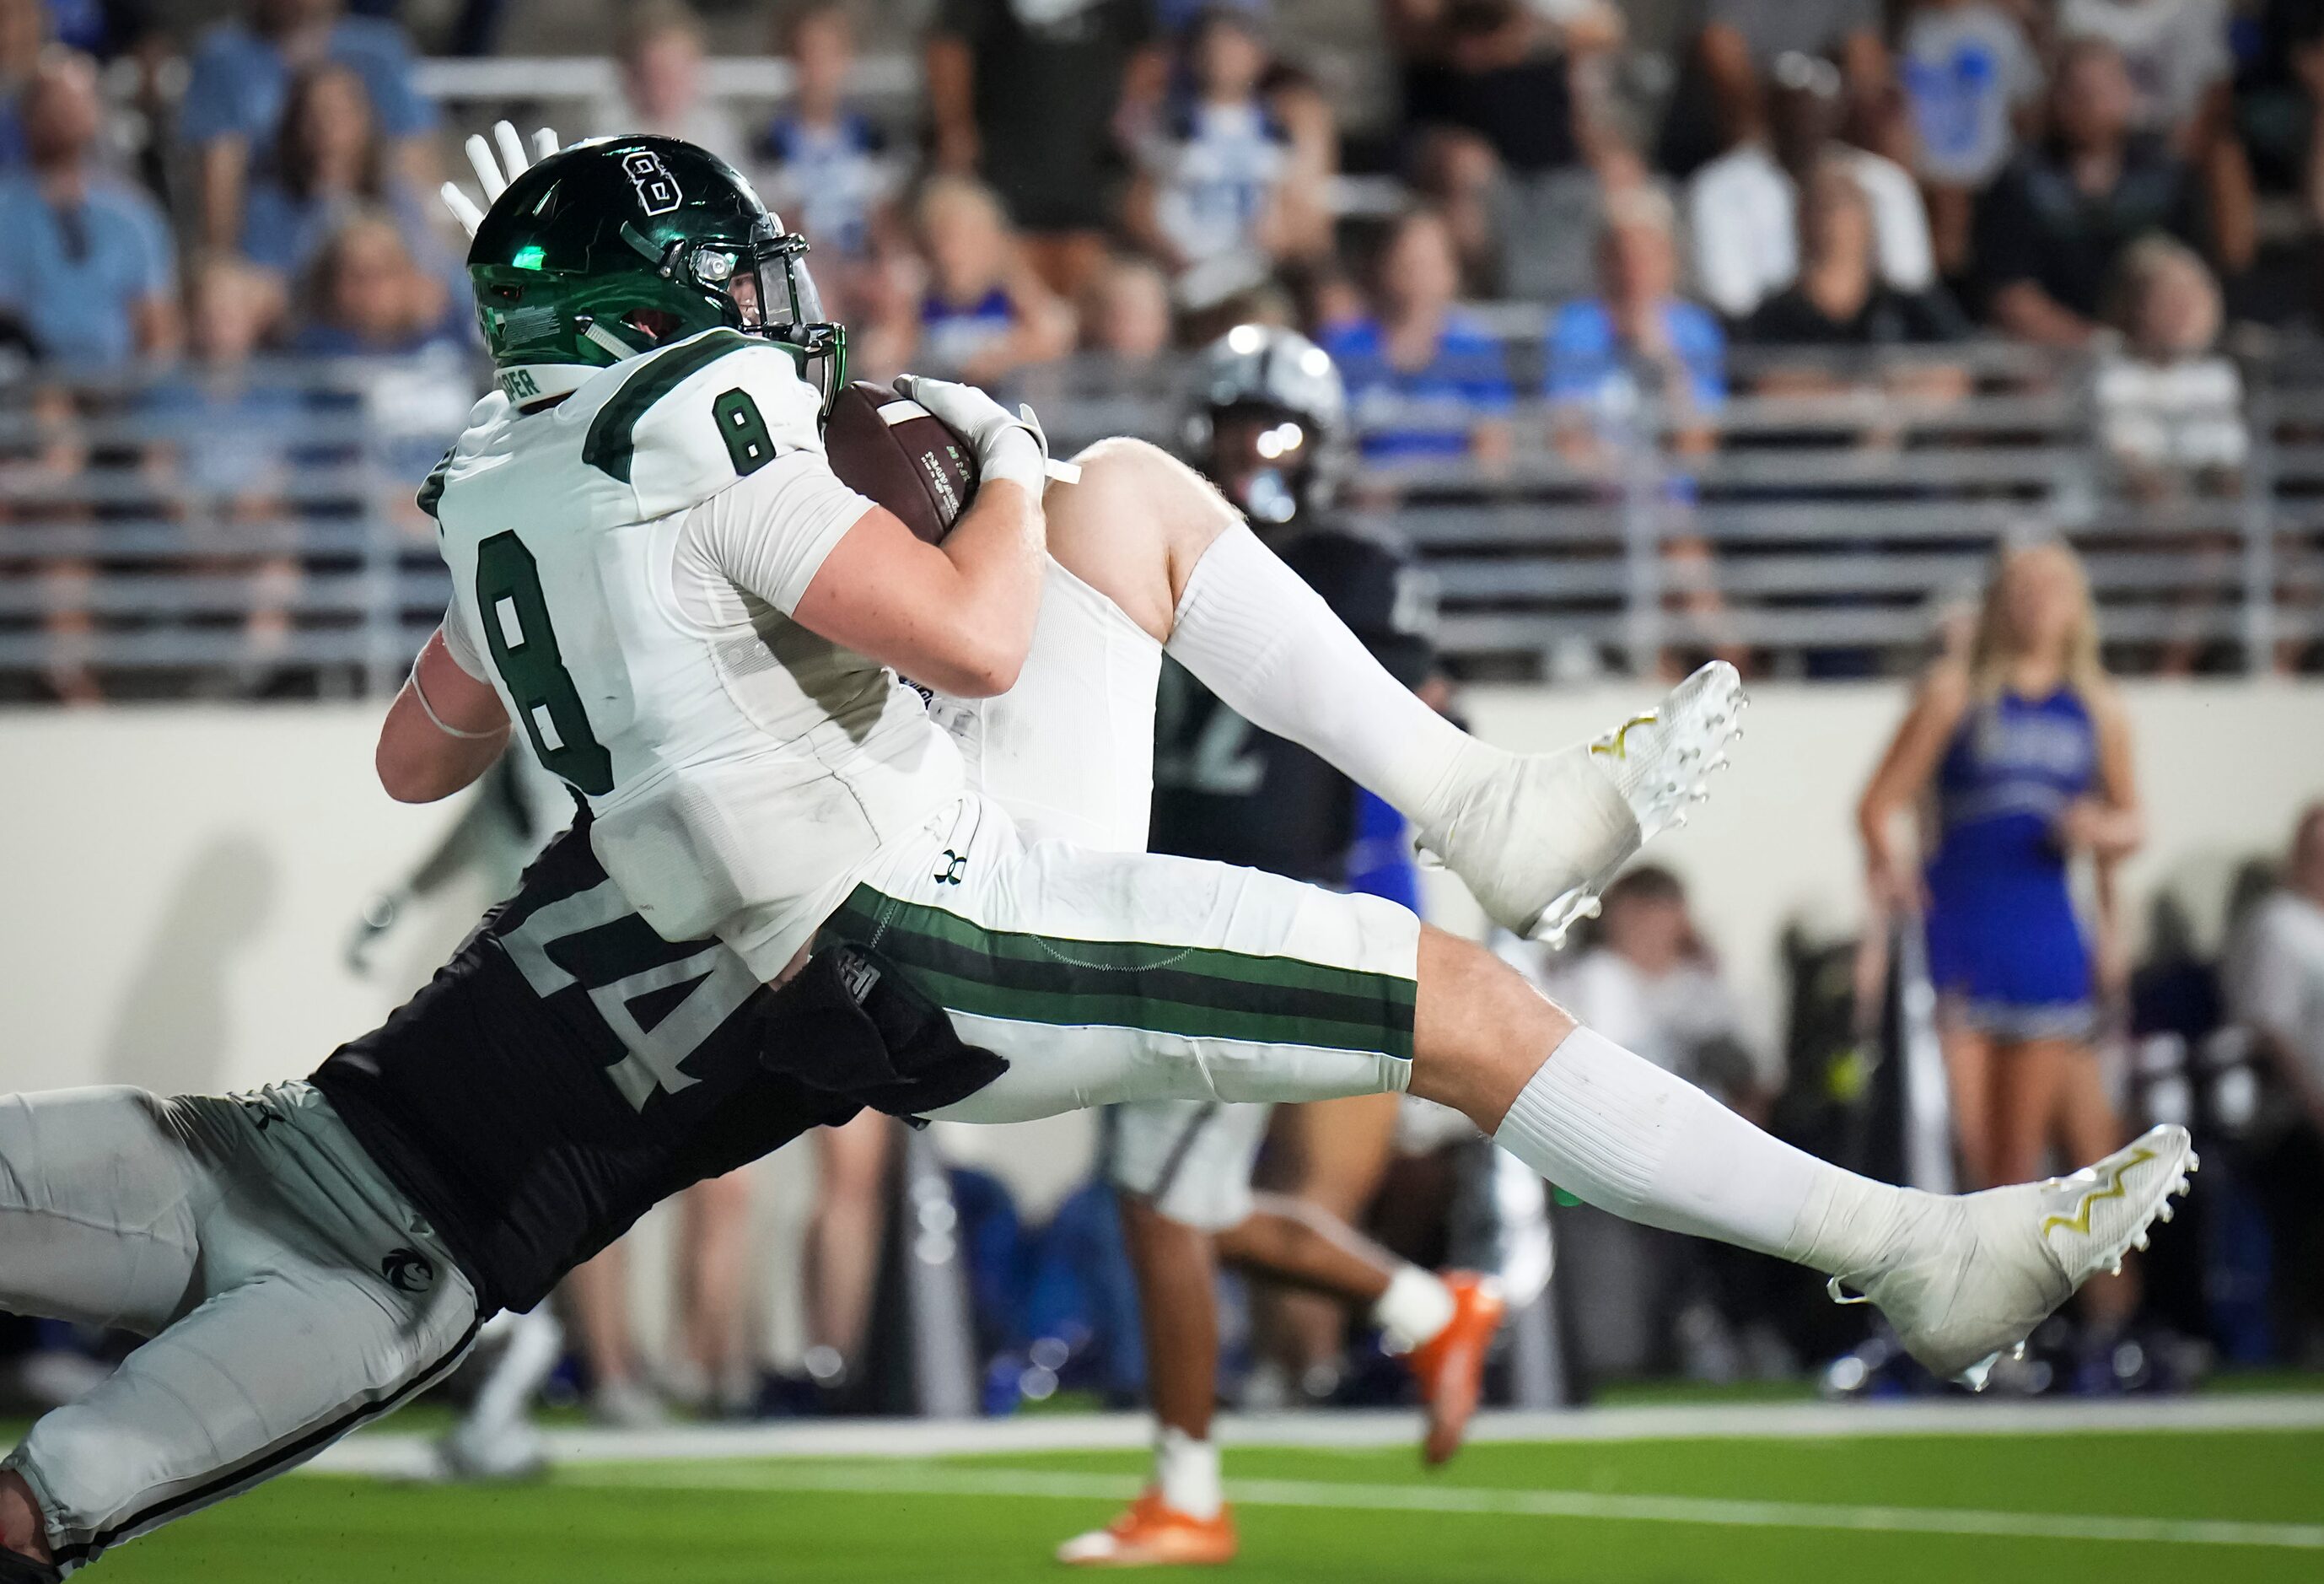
(611, 445)
(431, 488)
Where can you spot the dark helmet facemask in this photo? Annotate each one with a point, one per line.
(771, 293)
(775, 297)
(1264, 457)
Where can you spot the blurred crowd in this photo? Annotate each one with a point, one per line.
(1121, 175)
(1575, 224)
(1099, 170)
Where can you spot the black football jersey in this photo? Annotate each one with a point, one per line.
(564, 1071)
(1226, 791)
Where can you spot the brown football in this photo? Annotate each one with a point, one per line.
(894, 450)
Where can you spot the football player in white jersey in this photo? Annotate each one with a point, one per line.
(661, 580)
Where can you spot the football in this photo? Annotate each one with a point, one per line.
(892, 450)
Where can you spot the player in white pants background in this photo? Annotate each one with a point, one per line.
(1264, 422)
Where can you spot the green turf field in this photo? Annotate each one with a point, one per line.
(2246, 1507)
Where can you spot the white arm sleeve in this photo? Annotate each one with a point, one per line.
(770, 532)
(463, 644)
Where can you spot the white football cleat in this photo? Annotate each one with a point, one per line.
(1542, 834)
(481, 1452)
(1974, 1274)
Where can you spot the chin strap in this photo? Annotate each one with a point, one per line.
(610, 342)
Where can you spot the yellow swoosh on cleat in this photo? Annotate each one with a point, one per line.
(1619, 747)
(2080, 1221)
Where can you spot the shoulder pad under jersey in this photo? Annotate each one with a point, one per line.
(688, 421)
(489, 412)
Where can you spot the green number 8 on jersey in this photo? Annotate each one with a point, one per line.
(524, 652)
(545, 501)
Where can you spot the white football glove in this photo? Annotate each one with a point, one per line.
(1008, 444)
(494, 175)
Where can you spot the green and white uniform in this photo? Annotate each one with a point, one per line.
(621, 566)
(624, 568)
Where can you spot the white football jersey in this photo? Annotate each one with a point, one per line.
(624, 567)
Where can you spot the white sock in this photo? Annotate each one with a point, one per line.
(1415, 1307)
(1254, 634)
(1186, 1472)
(1618, 1131)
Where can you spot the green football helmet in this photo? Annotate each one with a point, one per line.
(610, 248)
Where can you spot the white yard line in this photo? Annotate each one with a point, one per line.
(902, 1478)
(401, 1455)
(784, 1458)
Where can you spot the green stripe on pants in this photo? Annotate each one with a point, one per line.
(1195, 991)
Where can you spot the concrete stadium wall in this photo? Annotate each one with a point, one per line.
(176, 884)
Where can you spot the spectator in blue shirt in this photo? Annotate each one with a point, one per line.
(222, 427)
(328, 162)
(1637, 341)
(223, 449)
(1639, 366)
(406, 376)
(1212, 198)
(240, 85)
(86, 262)
(823, 165)
(985, 311)
(1425, 377)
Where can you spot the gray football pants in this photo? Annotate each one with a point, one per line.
(290, 1291)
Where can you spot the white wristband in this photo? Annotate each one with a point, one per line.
(1016, 456)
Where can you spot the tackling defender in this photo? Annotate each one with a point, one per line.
(311, 1256)
(658, 575)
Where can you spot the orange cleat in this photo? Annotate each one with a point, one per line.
(1152, 1536)
(1451, 1366)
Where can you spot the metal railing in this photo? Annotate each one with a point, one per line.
(1822, 531)
(163, 534)
(171, 533)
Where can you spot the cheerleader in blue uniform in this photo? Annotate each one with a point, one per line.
(2019, 755)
